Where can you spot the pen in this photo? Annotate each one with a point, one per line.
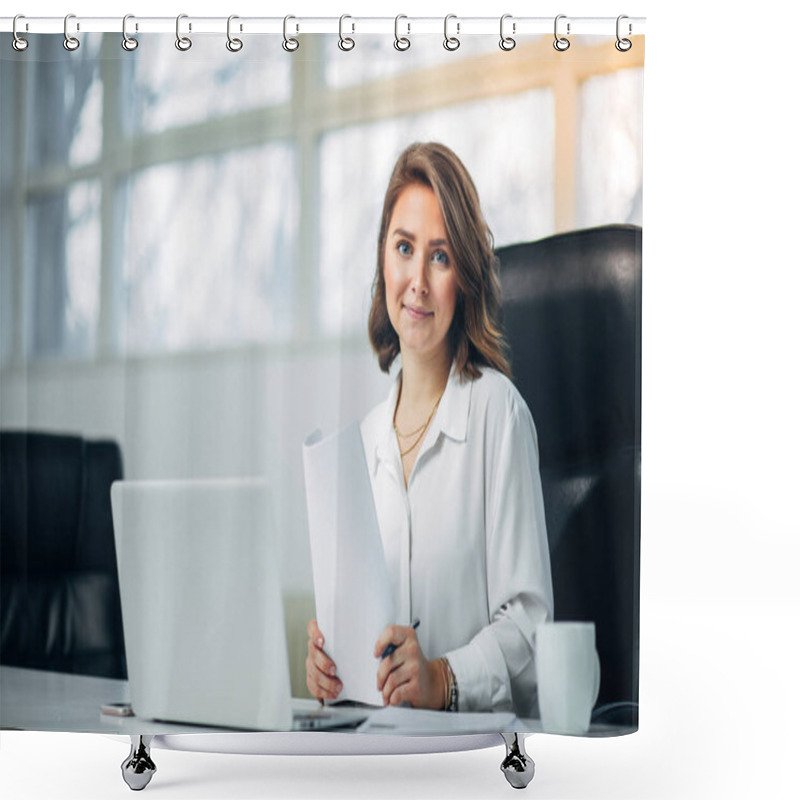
(392, 647)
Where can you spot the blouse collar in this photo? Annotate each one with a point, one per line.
(450, 420)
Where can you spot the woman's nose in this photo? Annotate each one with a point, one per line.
(419, 279)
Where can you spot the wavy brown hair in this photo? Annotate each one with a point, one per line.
(476, 337)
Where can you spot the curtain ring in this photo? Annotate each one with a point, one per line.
(183, 43)
(70, 42)
(290, 44)
(128, 42)
(507, 42)
(234, 45)
(561, 44)
(623, 45)
(401, 42)
(18, 43)
(451, 42)
(345, 42)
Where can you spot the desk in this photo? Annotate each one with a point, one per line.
(55, 701)
(36, 700)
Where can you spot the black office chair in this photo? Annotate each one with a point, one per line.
(572, 315)
(59, 590)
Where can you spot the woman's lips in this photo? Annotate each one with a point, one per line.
(418, 313)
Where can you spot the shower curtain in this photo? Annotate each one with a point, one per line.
(189, 248)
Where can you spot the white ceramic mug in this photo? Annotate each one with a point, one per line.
(568, 674)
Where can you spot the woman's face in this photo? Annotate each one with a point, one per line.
(420, 276)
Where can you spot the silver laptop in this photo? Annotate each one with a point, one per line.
(202, 608)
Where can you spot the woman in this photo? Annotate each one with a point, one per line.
(453, 460)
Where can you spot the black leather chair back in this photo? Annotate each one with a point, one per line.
(59, 590)
(572, 316)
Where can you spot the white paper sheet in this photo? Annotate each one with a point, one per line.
(419, 722)
(351, 585)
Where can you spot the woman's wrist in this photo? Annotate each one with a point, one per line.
(451, 686)
(446, 685)
(443, 691)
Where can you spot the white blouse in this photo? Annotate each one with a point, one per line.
(466, 544)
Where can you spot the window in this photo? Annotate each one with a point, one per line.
(170, 89)
(63, 270)
(166, 201)
(610, 150)
(211, 259)
(64, 103)
(340, 69)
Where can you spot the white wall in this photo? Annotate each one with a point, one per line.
(234, 414)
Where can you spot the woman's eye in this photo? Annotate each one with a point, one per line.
(404, 248)
(440, 257)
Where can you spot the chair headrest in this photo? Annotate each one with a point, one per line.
(572, 317)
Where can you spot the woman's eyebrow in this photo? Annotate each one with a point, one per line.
(408, 235)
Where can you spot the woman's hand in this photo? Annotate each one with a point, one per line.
(320, 670)
(406, 676)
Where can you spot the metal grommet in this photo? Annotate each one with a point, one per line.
(183, 43)
(290, 44)
(234, 45)
(561, 44)
(18, 43)
(623, 45)
(345, 42)
(401, 42)
(70, 42)
(507, 42)
(128, 42)
(451, 42)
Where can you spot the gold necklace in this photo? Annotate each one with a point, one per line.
(410, 433)
(404, 453)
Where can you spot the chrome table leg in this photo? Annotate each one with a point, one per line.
(138, 768)
(517, 766)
